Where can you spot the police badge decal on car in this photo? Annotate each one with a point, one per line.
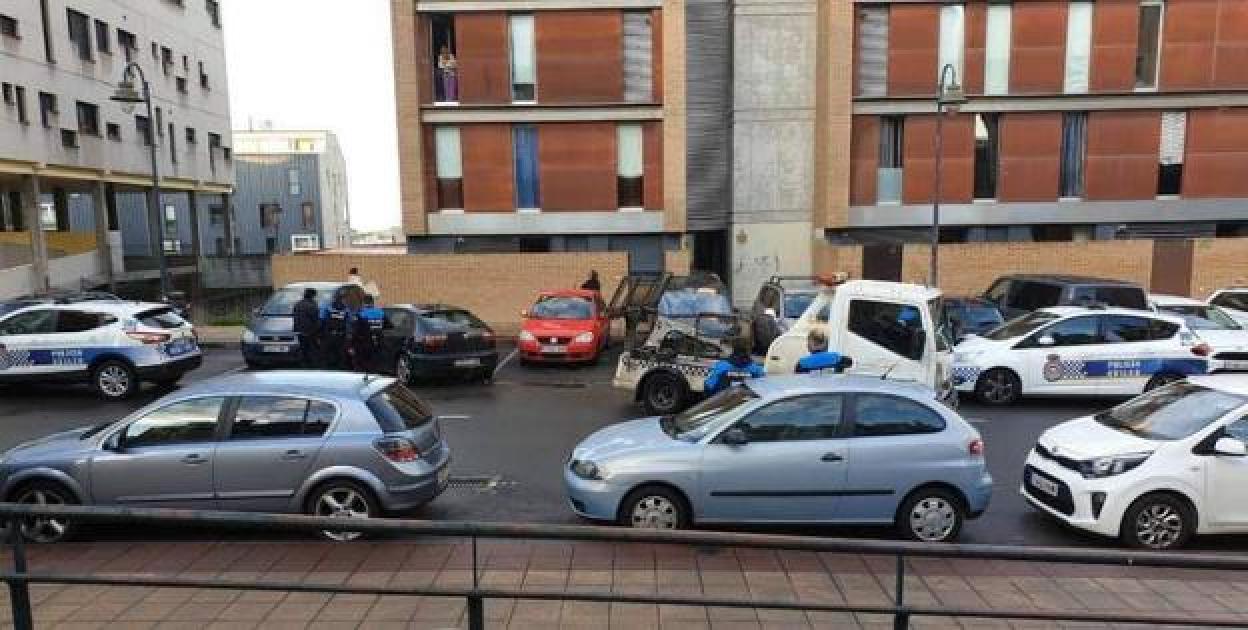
(1053, 368)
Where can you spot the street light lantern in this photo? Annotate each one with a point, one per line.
(952, 97)
(949, 99)
(127, 95)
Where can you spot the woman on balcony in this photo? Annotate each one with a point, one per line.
(448, 69)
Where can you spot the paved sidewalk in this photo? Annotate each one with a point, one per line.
(219, 336)
(605, 567)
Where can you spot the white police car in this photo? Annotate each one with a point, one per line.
(113, 346)
(1227, 338)
(1073, 351)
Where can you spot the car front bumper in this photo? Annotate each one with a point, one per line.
(1073, 502)
(255, 354)
(429, 365)
(573, 353)
(592, 499)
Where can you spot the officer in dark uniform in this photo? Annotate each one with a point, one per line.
(738, 367)
(335, 334)
(366, 337)
(307, 315)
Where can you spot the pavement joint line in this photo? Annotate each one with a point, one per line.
(502, 364)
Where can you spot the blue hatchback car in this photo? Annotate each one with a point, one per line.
(794, 449)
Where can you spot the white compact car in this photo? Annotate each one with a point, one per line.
(1152, 471)
(1234, 301)
(1227, 339)
(113, 346)
(1078, 351)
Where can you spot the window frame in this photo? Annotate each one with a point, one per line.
(79, 24)
(116, 439)
(4, 323)
(1033, 340)
(1155, 44)
(103, 37)
(851, 414)
(851, 327)
(512, 52)
(10, 26)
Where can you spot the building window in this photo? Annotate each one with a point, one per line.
(114, 131)
(293, 184)
(270, 244)
(270, 215)
(45, 16)
(638, 56)
(8, 93)
(952, 39)
(173, 143)
(69, 138)
(128, 44)
(1173, 146)
(523, 60)
(20, 96)
(630, 158)
(88, 118)
(143, 127)
(155, 51)
(203, 77)
(8, 26)
(214, 12)
(524, 147)
(186, 63)
(216, 215)
(888, 178)
(997, 49)
(1074, 151)
(47, 108)
(80, 34)
(987, 158)
(160, 122)
(445, 63)
(166, 59)
(180, 84)
(1078, 47)
(873, 51)
(449, 168)
(190, 135)
(102, 39)
(1148, 45)
(309, 215)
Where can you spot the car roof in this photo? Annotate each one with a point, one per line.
(285, 382)
(772, 386)
(1068, 311)
(1068, 279)
(425, 308)
(1233, 383)
(883, 289)
(1174, 300)
(120, 309)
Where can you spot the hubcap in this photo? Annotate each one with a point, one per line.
(663, 396)
(999, 387)
(342, 503)
(933, 519)
(43, 530)
(114, 381)
(655, 512)
(1159, 526)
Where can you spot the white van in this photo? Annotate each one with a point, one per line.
(887, 328)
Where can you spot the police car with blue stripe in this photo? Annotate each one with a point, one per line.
(1074, 351)
(113, 346)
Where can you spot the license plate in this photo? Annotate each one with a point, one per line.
(178, 348)
(1043, 485)
(1235, 365)
(467, 363)
(554, 349)
(276, 349)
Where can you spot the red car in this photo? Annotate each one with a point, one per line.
(565, 327)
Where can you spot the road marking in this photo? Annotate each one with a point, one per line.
(977, 420)
(505, 361)
(455, 417)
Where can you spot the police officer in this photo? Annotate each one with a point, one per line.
(307, 316)
(820, 358)
(366, 337)
(737, 367)
(335, 331)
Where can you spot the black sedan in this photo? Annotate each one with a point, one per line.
(430, 341)
(970, 316)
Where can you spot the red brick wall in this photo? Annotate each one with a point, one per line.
(958, 165)
(579, 56)
(578, 166)
(976, 36)
(1122, 159)
(652, 152)
(489, 183)
(1038, 53)
(1030, 148)
(484, 63)
(1216, 164)
(864, 159)
(1114, 32)
(913, 39)
(1230, 67)
(1188, 35)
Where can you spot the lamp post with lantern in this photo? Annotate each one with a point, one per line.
(949, 98)
(129, 97)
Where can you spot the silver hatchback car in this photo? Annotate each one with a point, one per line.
(324, 443)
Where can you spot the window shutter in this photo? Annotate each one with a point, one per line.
(1173, 137)
(873, 51)
(447, 151)
(638, 58)
(997, 54)
(1078, 47)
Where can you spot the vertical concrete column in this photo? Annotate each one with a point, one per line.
(227, 204)
(38, 241)
(103, 249)
(60, 205)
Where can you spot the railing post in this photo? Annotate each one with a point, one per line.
(19, 591)
(901, 618)
(476, 606)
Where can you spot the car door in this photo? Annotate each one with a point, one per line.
(399, 325)
(79, 337)
(1133, 356)
(25, 342)
(265, 455)
(1226, 483)
(885, 338)
(164, 458)
(791, 469)
(890, 451)
(1054, 359)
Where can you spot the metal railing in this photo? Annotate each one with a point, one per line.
(20, 578)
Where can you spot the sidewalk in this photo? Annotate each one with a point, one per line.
(219, 336)
(825, 578)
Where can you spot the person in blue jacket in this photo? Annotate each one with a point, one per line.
(336, 321)
(737, 367)
(821, 359)
(366, 338)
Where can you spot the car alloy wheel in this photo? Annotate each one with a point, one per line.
(114, 380)
(44, 530)
(998, 387)
(343, 500)
(655, 512)
(933, 519)
(1159, 526)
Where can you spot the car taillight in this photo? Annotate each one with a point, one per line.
(397, 449)
(433, 341)
(149, 338)
(976, 448)
(1201, 350)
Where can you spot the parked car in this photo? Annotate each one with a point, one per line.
(965, 316)
(426, 341)
(321, 443)
(1227, 339)
(564, 327)
(790, 449)
(1074, 351)
(780, 302)
(112, 346)
(1234, 301)
(1020, 294)
(269, 338)
(1152, 471)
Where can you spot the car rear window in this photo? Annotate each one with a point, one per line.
(160, 318)
(397, 409)
(451, 321)
(1125, 297)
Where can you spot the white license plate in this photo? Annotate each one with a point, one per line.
(554, 349)
(276, 349)
(1235, 365)
(467, 363)
(1043, 485)
(179, 348)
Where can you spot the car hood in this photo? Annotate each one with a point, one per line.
(1085, 438)
(266, 324)
(55, 444)
(625, 438)
(1225, 340)
(558, 327)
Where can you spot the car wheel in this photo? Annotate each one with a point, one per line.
(931, 515)
(343, 499)
(1161, 380)
(654, 507)
(664, 394)
(45, 530)
(1158, 522)
(115, 380)
(999, 387)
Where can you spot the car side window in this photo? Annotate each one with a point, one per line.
(39, 322)
(261, 417)
(816, 417)
(185, 422)
(1031, 296)
(78, 321)
(1076, 331)
(1237, 300)
(1127, 329)
(891, 326)
(1159, 330)
(996, 294)
(877, 415)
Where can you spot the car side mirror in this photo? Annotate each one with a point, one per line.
(734, 436)
(1230, 447)
(116, 443)
(1046, 341)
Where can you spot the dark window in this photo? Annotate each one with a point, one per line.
(1052, 233)
(77, 321)
(190, 135)
(877, 415)
(1074, 152)
(103, 40)
(166, 59)
(173, 143)
(203, 77)
(160, 122)
(524, 141)
(39, 322)
(1077, 331)
(270, 215)
(398, 409)
(308, 212)
(270, 244)
(186, 63)
(88, 118)
(216, 216)
(1147, 43)
(1235, 300)
(47, 108)
(80, 34)
(441, 322)
(445, 64)
(20, 97)
(889, 171)
(1159, 330)
(128, 43)
(1030, 296)
(894, 327)
(155, 51)
(8, 26)
(69, 138)
(815, 417)
(1170, 179)
(987, 141)
(180, 83)
(214, 12)
(1123, 329)
(180, 423)
(534, 244)
(45, 16)
(8, 93)
(260, 417)
(144, 128)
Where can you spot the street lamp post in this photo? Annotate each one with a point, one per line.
(949, 98)
(128, 96)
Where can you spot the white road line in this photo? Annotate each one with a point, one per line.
(502, 364)
(977, 420)
(454, 417)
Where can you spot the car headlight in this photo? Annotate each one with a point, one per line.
(1101, 467)
(586, 469)
(585, 337)
(249, 337)
(527, 336)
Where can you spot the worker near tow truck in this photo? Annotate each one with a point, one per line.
(821, 360)
(738, 367)
(366, 336)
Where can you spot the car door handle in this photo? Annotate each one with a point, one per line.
(831, 457)
(194, 460)
(293, 455)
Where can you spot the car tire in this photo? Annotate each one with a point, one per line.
(50, 530)
(664, 394)
(114, 380)
(1161, 380)
(931, 515)
(342, 499)
(403, 371)
(1158, 522)
(999, 387)
(655, 507)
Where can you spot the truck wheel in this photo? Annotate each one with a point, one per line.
(664, 394)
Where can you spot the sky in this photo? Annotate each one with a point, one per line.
(288, 65)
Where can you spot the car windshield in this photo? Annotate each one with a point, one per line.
(692, 424)
(1200, 317)
(283, 302)
(796, 303)
(1171, 413)
(562, 308)
(689, 303)
(398, 409)
(1024, 325)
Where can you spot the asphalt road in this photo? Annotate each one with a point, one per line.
(510, 440)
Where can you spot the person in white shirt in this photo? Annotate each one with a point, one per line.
(353, 276)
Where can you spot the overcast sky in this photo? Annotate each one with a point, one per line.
(322, 64)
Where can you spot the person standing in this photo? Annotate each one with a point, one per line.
(821, 359)
(366, 337)
(448, 75)
(336, 329)
(307, 315)
(736, 368)
(592, 283)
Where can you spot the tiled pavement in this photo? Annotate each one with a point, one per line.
(814, 577)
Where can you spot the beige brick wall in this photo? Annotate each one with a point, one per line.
(835, 258)
(1218, 263)
(678, 262)
(494, 286)
(968, 268)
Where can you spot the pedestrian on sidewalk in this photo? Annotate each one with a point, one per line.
(307, 315)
